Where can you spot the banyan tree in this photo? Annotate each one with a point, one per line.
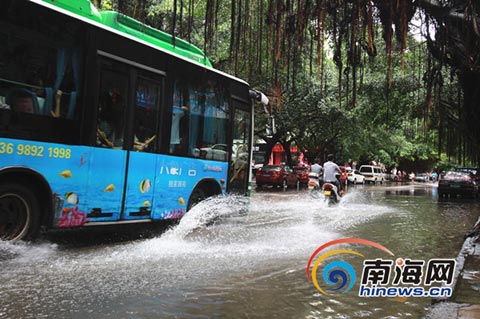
(276, 43)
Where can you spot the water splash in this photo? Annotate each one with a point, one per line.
(221, 242)
(24, 252)
(223, 227)
(207, 212)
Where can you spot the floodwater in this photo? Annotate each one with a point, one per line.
(223, 262)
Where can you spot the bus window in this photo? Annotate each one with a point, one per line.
(16, 75)
(111, 109)
(200, 121)
(179, 126)
(147, 102)
(36, 78)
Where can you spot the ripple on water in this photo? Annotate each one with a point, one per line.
(220, 245)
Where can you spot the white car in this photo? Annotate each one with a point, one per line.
(355, 177)
(217, 152)
(373, 174)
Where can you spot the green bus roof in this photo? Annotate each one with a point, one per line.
(134, 28)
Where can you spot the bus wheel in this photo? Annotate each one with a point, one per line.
(19, 209)
(197, 196)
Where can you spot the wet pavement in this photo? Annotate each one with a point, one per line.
(223, 262)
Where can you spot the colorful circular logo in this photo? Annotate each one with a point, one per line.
(338, 275)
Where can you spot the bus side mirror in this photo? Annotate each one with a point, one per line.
(268, 131)
(263, 99)
(270, 128)
(259, 96)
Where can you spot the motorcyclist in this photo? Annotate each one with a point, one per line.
(316, 168)
(331, 172)
(315, 175)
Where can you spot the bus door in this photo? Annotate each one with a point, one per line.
(107, 161)
(142, 162)
(240, 163)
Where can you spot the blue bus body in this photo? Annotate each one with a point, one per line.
(101, 126)
(101, 185)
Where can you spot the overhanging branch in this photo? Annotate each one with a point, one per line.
(435, 9)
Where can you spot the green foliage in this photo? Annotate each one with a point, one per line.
(313, 120)
(107, 4)
(357, 110)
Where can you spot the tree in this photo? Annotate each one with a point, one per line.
(314, 123)
(281, 46)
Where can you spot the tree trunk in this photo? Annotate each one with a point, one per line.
(470, 83)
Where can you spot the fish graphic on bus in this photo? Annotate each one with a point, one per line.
(145, 186)
(66, 173)
(71, 198)
(109, 188)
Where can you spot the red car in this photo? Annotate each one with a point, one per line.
(302, 174)
(276, 175)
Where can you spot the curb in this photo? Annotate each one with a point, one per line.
(453, 307)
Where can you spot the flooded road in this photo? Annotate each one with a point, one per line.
(221, 262)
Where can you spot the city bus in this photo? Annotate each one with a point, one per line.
(105, 120)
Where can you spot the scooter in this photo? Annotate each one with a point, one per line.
(331, 193)
(313, 181)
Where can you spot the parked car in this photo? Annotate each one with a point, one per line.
(276, 175)
(458, 183)
(255, 168)
(474, 170)
(302, 174)
(355, 177)
(373, 174)
(421, 177)
(218, 152)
